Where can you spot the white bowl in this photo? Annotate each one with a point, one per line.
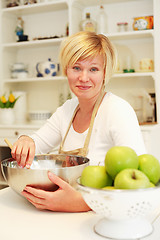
(125, 212)
(39, 116)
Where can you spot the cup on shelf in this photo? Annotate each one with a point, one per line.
(18, 70)
(122, 26)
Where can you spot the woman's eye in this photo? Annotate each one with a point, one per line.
(94, 69)
(76, 68)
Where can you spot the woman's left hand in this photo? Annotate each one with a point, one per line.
(65, 199)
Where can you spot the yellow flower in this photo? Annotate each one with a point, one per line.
(11, 98)
(3, 99)
(8, 102)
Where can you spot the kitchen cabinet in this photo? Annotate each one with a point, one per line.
(131, 45)
(13, 132)
(50, 18)
(135, 45)
(40, 21)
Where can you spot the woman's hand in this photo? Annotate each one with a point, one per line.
(65, 199)
(23, 151)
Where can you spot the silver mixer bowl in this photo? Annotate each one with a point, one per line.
(67, 167)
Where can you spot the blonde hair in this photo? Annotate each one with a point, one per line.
(83, 45)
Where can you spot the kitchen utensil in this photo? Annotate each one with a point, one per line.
(8, 143)
(67, 167)
(125, 212)
(57, 157)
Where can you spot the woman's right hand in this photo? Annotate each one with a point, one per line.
(23, 151)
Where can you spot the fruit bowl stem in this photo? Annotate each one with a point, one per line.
(123, 229)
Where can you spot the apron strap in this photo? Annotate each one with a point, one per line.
(74, 114)
(83, 151)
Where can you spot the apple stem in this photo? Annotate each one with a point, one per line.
(134, 175)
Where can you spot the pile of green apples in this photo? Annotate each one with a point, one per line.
(123, 169)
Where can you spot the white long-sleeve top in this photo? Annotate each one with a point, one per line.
(115, 124)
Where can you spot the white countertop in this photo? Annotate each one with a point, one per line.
(20, 220)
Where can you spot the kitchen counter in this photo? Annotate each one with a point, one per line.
(20, 220)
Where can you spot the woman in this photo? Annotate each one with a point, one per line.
(86, 125)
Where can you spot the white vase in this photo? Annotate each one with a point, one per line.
(7, 116)
(20, 107)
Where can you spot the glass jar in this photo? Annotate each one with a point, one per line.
(122, 26)
(88, 24)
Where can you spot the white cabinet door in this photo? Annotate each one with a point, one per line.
(12, 133)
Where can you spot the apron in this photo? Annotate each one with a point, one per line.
(82, 151)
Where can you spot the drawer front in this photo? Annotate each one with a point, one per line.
(13, 134)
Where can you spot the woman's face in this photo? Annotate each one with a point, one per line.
(86, 77)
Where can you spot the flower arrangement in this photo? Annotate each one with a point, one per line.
(8, 102)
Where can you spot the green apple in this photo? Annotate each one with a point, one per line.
(119, 158)
(131, 179)
(109, 188)
(151, 184)
(95, 176)
(150, 166)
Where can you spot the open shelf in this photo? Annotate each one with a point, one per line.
(36, 79)
(54, 41)
(135, 74)
(34, 43)
(36, 8)
(131, 35)
(95, 2)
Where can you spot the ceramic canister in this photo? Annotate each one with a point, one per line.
(20, 107)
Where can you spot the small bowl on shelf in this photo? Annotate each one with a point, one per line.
(125, 213)
(39, 116)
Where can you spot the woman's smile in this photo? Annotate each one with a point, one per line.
(83, 87)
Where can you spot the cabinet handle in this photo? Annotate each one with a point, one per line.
(16, 133)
